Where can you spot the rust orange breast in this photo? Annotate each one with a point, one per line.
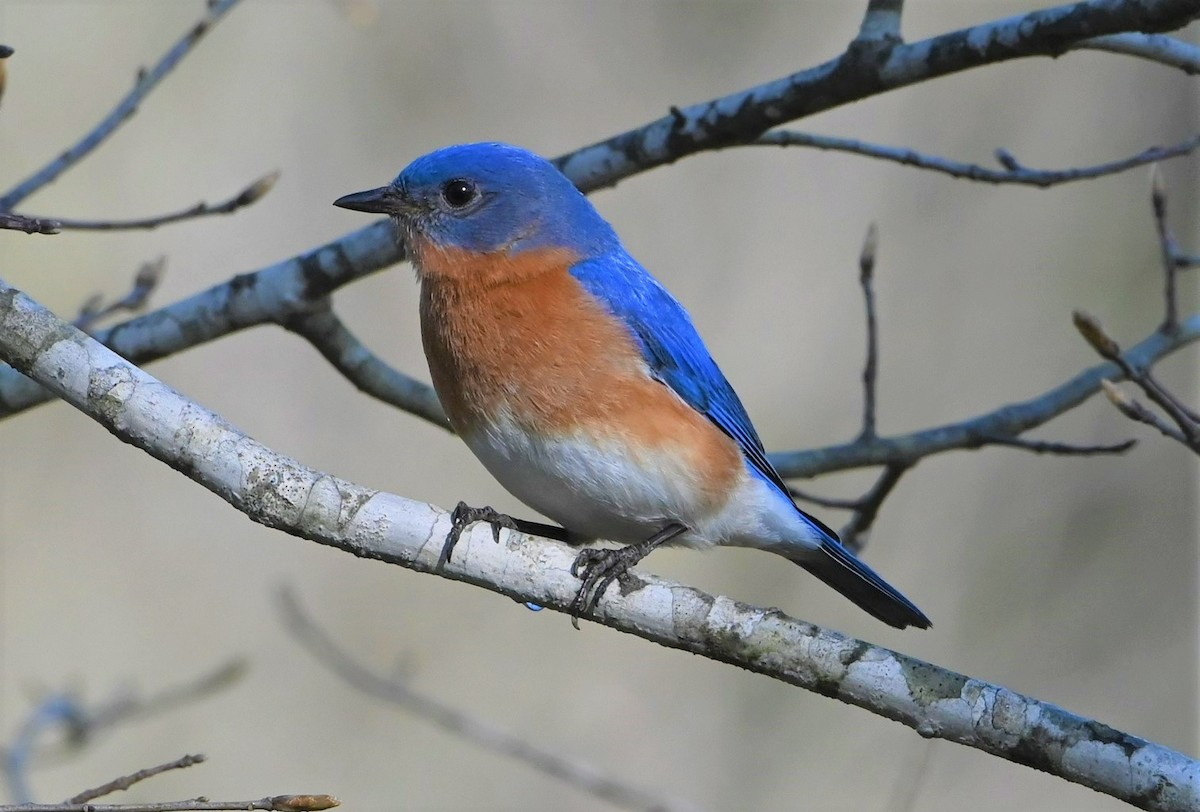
(519, 334)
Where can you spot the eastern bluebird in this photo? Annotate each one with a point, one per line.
(580, 382)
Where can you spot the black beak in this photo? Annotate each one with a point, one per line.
(383, 200)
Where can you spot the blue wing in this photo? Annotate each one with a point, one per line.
(676, 354)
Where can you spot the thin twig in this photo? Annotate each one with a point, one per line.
(1168, 250)
(126, 781)
(146, 81)
(854, 533)
(823, 501)
(30, 225)
(1134, 410)
(1063, 449)
(276, 803)
(1013, 171)
(1156, 47)
(144, 283)
(866, 278)
(582, 776)
(881, 22)
(246, 197)
(1140, 374)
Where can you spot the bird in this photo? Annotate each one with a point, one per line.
(582, 384)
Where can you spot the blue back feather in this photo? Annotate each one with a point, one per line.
(676, 354)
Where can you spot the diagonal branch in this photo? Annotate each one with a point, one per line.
(1012, 173)
(881, 22)
(251, 194)
(373, 376)
(281, 493)
(1156, 47)
(146, 82)
(398, 692)
(976, 432)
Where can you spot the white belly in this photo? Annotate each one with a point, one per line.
(611, 491)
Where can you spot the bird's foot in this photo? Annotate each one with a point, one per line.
(599, 567)
(462, 517)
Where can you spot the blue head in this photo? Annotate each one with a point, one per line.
(488, 198)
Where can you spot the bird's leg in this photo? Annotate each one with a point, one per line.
(598, 567)
(463, 516)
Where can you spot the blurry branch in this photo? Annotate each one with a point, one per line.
(144, 283)
(30, 225)
(81, 724)
(1156, 47)
(124, 782)
(372, 375)
(5, 53)
(251, 194)
(1013, 172)
(881, 21)
(146, 81)
(279, 492)
(278, 803)
(866, 278)
(397, 691)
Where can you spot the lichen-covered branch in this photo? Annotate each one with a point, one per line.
(282, 493)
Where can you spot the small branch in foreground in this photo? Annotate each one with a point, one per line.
(30, 225)
(581, 776)
(251, 194)
(146, 82)
(275, 803)
(1013, 172)
(144, 283)
(126, 781)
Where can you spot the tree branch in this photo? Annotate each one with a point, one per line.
(147, 80)
(30, 225)
(986, 429)
(251, 194)
(1012, 173)
(124, 782)
(281, 493)
(881, 22)
(1156, 47)
(579, 775)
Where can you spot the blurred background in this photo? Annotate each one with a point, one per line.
(1071, 579)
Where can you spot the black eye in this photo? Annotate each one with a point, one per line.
(459, 192)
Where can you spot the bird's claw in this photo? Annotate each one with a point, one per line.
(597, 568)
(462, 517)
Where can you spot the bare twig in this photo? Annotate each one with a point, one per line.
(30, 225)
(866, 266)
(127, 781)
(1013, 171)
(881, 22)
(279, 492)
(144, 283)
(582, 776)
(1134, 410)
(854, 533)
(1156, 47)
(146, 81)
(1187, 420)
(251, 194)
(1064, 449)
(371, 374)
(276, 803)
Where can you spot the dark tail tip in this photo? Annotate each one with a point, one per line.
(839, 568)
